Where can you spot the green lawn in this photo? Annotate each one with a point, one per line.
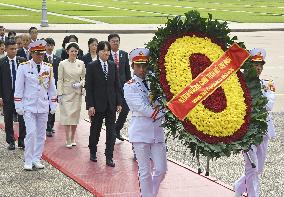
(146, 11)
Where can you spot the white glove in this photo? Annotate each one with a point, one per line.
(20, 111)
(76, 85)
(59, 98)
(52, 111)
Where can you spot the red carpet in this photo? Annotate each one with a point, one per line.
(121, 181)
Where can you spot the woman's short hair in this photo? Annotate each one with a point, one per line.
(91, 40)
(10, 33)
(65, 41)
(73, 36)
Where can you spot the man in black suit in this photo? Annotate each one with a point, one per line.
(49, 57)
(2, 34)
(8, 69)
(120, 58)
(33, 34)
(103, 99)
(24, 51)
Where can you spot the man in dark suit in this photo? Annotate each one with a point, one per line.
(120, 58)
(24, 51)
(8, 69)
(103, 99)
(2, 34)
(49, 57)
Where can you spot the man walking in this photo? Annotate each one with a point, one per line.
(8, 69)
(54, 60)
(35, 92)
(120, 58)
(103, 99)
(145, 131)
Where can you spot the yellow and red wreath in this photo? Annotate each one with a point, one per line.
(181, 51)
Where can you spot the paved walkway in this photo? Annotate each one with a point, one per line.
(121, 181)
(130, 28)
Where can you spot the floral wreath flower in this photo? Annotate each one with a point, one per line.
(233, 116)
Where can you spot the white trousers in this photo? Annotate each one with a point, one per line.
(36, 124)
(151, 174)
(249, 182)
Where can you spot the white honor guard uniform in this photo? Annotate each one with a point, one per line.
(145, 133)
(34, 93)
(249, 182)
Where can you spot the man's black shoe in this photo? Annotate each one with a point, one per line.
(11, 146)
(21, 144)
(49, 134)
(110, 163)
(52, 130)
(120, 137)
(93, 157)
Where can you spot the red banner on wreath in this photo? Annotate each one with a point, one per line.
(208, 81)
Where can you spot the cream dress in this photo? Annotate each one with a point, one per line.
(70, 105)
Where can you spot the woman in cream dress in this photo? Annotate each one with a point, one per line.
(71, 79)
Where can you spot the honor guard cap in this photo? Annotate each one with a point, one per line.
(37, 46)
(257, 54)
(139, 55)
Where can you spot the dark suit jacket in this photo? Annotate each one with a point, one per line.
(6, 90)
(21, 53)
(124, 67)
(87, 58)
(55, 63)
(102, 93)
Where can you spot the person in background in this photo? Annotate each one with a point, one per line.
(24, 51)
(248, 184)
(2, 49)
(19, 41)
(103, 100)
(8, 70)
(58, 52)
(72, 38)
(71, 80)
(120, 58)
(92, 53)
(35, 92)
(145, 131)
(52, 59)
(11, 35)
(2, 34)
(33, 34)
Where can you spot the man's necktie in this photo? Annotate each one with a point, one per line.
(13, 72)
(50, 59)
(105, 70)
(145, 84)
(116, 61)
(38, 68)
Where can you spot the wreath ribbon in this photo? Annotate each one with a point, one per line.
(208, 81)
